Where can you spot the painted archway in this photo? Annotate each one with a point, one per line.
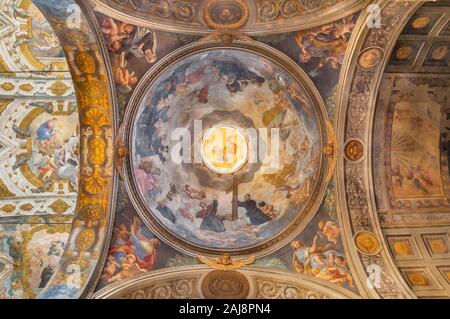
(91, 223)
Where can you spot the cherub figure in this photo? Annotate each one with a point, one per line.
(330, 230)
(124, 78)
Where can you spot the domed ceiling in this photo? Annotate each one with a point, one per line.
(242, 91)
(283, 148)
(192, 200)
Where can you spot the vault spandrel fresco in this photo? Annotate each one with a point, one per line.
(136, 251)
(273, 149)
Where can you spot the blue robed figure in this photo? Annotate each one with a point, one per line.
(46, 131)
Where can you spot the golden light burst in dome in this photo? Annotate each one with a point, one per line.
(224, 149)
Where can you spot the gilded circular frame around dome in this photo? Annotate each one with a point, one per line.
(145, 90)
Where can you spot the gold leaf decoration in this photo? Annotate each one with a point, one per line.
(8, 208)
(95, 117)
(438, 246)
(59, 88)
(3, 66)
(26, 207)
(85, 62)
(367, 243)
(330, 150)
(97, 151)
(4, 104)
(403, 248)
(226, 263)
(4, 191)
(417, 279)
(91, 212)
(26, 87)
(59, 206)
(61, 219)
(34, 220)
(94, 185)
(7, 86)
(85, 239)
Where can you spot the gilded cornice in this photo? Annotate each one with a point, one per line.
(199, 281)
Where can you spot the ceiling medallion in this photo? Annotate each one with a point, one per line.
(370, 58)
(59, 206)
(225, 149)
(219, 284)
(421, 22)
(367, 243)
(226, 14)
(354, 150)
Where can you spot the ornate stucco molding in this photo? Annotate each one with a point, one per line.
(261, 16)
(25, 87)
(367, 55)
(200, 282)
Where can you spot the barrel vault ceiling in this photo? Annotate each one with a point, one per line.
(91, 205)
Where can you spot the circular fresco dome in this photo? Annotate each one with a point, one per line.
(226, 149)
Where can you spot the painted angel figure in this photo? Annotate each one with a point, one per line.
(144, 248)
(137, 41)
(328, 43)
(330, 230)
(131, 252)
(307, 259)
(335, 269)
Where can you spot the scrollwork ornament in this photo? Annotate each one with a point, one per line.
(182, 10)
(226, 14)
(174, 289)
(268, 289)
(272, 10)
(268, 10)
